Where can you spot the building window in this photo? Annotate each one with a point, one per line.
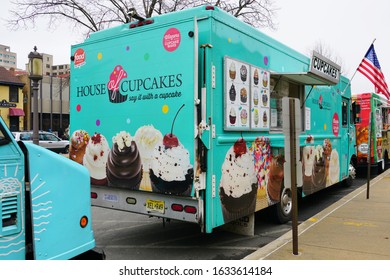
(13, 94)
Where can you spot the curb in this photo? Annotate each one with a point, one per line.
(272, 247)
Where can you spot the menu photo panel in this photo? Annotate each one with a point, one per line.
(260, 99)
(237, 95)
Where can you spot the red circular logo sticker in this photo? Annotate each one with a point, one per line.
(79, 58)
(171, 40)
(335, 124)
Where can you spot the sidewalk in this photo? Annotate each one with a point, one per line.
(354, 228)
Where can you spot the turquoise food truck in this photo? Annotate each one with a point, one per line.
(179, 116)
(44, 204)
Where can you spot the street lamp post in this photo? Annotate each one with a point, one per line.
(35, 74)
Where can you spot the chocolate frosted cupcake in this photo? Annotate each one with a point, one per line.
(124, 168)
(243, 73)
(232, 93)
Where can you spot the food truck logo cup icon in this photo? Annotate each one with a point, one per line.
(79, 58)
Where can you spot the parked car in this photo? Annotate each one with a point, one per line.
(47, 140)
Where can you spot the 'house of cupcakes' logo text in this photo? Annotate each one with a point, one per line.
(120, 89)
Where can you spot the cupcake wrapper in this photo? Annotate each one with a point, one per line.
(131, 184)
(116, 97)
(182, 188)
(235, 208)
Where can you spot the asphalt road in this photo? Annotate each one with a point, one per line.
(128, 236)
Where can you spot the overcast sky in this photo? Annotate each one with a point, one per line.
(346, 27)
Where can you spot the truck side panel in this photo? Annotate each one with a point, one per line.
(322, 121)
(60, 202)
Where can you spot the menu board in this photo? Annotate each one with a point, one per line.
(247, 96)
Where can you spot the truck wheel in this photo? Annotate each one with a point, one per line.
(351, 176)
(284, 206)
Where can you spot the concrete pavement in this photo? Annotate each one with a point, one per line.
(354, 228)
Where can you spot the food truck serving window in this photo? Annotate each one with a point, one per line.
(280, 88)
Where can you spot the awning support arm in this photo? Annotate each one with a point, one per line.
(307, 96)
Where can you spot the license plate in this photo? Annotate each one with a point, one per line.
(155, 206)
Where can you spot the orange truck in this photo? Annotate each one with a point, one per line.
(373, 115)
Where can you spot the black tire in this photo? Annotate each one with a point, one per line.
(66, 150)
(284, 206)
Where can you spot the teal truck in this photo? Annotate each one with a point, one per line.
(44, 204)
(180, 116)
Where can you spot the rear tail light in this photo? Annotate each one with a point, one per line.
(190, 209)
(94, 195)
(177, 207)
(180, 208)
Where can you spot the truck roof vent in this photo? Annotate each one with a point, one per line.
(141, 23)
(210, 8)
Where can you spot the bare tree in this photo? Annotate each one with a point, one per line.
(93, 15)
(327, 51)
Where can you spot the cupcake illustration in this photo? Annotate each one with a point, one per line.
(78, 143)
(308, 159)
(232, 93)
(244, 116)
(265, 118)
(232, 116)
(264, 98)
(95, 159)
(124, 168)
(256, 77)
(238, 184)
(243, 95)
(243, 73)
(265, 79)
(256, 116)
(334, 168)
(147, 137)
(276, 176)
(116, 77)
(319, 169)
(232, 71)
(171, 171)
(256, 97)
